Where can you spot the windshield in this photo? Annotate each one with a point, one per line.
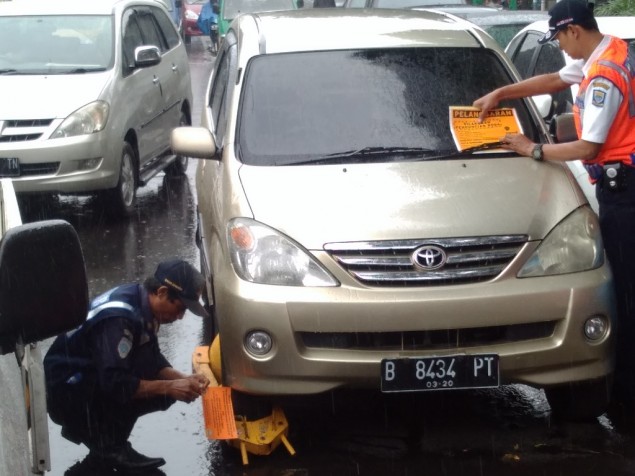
(72, 44)
(233, 8)
(391, 100)
(414, 3)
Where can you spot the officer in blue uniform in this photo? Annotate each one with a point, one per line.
(102, 376)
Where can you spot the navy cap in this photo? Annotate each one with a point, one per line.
(565, 13)
(185, 281)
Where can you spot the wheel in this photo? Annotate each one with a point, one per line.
(121, 200)
(179, 166)
(579, 401)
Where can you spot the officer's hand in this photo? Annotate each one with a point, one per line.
(486, 104)
(185, 389)
(202, 380)
(519, 143)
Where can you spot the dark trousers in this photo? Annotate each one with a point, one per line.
(617, 223)
(100, 423)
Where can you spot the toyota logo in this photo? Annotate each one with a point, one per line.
(429, 257)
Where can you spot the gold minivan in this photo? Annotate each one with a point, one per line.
(348, 244)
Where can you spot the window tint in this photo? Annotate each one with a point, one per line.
(550, 60)
(170, 35)
(149, 30)
(525, 53)
(131, 39)
(218, 94)
(358, 99)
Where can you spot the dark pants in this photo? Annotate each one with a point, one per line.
(617, 222)
(100, 423)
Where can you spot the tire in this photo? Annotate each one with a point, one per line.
(579, 401)
(179, 166)
(122, 199)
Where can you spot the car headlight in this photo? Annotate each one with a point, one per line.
(86, 120)
(574, 245)
(190, 15)
(262, 255)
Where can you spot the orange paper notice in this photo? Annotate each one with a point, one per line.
(468, 132)
(219, 414)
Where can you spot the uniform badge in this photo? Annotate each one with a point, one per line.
(124, 347)
(599, 96)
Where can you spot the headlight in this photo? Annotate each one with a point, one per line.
(86, 120)
(262, 255)
(190, 15)
(574, 245)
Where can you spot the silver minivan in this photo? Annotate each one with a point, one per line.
(89, 92)
(348, 243)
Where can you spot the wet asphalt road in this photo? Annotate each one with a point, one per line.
(506, 431)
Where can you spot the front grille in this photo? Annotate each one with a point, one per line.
(45, 168)
(23, 130)
(391, 263)
(427, 340)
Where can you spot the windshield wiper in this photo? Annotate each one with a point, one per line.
(79, 70)
(364, 152)
(469, 151)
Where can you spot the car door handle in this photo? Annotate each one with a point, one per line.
(155, 80)
(175, 68)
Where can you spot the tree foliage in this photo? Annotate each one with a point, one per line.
(615, 8)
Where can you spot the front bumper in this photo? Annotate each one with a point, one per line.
(60, 165)
(325, 338)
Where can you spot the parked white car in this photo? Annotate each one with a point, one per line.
(89, 92)
(531, 58)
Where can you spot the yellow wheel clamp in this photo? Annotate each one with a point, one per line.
(259, 437)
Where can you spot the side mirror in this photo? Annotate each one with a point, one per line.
(544, 104)
(562, 128)
(145, 56)
(43, 287)
(193, 142)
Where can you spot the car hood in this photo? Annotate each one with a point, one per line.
(48, 96)
(473, 197)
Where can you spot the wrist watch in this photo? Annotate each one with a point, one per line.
(536, 153)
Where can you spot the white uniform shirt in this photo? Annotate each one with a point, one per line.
(601, 100)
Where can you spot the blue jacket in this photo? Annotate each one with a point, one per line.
(115, 348)
(206, 18)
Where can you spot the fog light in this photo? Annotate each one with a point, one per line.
(595, 327)
(258, 343)
(88, 164)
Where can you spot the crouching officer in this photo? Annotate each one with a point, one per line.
(102, 376)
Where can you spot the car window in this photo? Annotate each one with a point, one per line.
(414, 3)
(233, 8)
(56, 44)
(149, 30)
(131, 39)
(169, 33)
(352, 100)
(550, 60)
(218, 93)
(523, 56)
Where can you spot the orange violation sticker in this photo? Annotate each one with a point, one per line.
(219, 414)
(468, 132)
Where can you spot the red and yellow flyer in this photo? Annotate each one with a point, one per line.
(468, 132)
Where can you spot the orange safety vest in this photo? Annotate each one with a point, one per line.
(618, 66)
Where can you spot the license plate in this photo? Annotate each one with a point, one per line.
(9, 167)
(439, 373)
